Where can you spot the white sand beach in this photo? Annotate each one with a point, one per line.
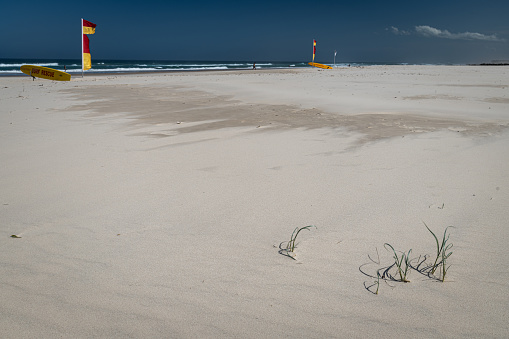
(154, 205)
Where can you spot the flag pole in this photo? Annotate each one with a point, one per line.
(314, 48)
(82, 61)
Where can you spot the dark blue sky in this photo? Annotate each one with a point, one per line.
(394, 31)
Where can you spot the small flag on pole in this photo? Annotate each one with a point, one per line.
(86, 60)
(88, 27)
(314, 50)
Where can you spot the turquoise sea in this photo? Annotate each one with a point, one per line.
(73, 66)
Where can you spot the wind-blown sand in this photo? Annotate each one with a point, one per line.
(153, 206)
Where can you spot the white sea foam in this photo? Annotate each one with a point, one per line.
(201, 65)
(205, 68)
(36, 64)
(139, 69)
(119, 69)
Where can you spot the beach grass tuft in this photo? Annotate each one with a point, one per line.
(290, 245)
(443, 252)
(402, 262)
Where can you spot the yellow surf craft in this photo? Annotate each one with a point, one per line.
(45, 73)
(314, 64)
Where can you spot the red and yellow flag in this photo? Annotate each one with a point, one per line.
(87, 58)
(314, 50)
(88, 28)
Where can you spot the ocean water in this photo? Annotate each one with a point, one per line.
(73, 66)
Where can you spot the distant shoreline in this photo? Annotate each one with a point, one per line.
(183, 71)
(176, 71)
(10, 67)
(490, 64)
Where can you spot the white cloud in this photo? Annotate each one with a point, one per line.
(397, 31)
(437, 33)
(432, 32)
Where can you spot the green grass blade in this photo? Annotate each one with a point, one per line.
(399, 261)
(435, 265)
(291, 244)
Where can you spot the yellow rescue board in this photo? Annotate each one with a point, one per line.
(320, 65)
(45, 73)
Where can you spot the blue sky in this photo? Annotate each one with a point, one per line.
(395, 31)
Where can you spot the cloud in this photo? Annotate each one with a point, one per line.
(445, 34)
(432, 32)
(397, 31)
